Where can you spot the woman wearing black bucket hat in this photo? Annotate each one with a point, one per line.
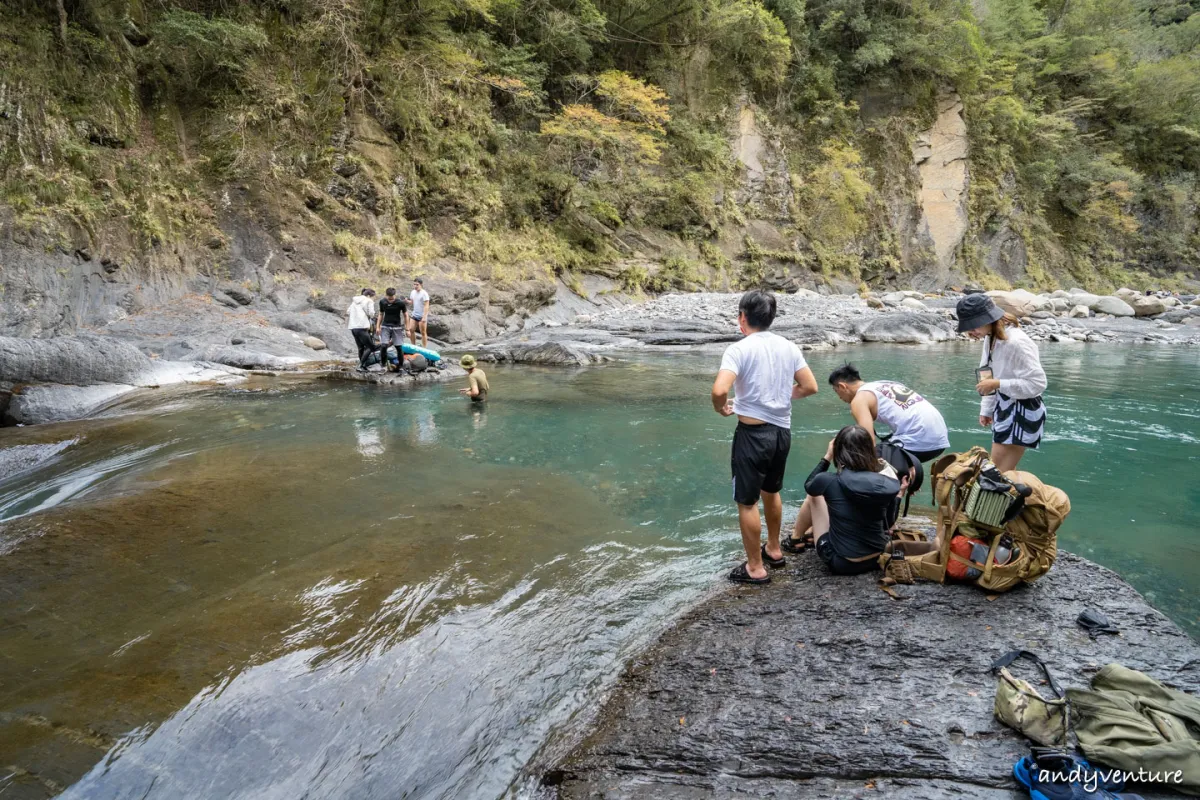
(1010, 379)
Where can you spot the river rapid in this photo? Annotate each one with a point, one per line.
(305, 589)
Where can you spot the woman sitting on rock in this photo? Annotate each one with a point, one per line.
(850, 511)
(1011, 379)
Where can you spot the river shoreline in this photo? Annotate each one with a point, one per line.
(39, 384)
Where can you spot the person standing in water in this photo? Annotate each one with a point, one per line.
(390, 326)
(477, 382)
(766, 372)
(360, 313)
(419, 318)
(1010, 379)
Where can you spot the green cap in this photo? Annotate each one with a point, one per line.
(467, 361)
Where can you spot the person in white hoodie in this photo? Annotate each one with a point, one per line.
(1010, 379)
(361, 312)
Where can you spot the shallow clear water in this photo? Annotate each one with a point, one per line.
(313, 589)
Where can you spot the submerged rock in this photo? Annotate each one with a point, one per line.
(819, 686)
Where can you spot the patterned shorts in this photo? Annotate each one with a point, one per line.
(1019, 421)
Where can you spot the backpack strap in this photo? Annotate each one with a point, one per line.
(1012, 655)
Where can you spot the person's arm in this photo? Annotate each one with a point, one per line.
(1028, 378)
(804, 383)
(720, 392)
(819, 479)
(379, 319)
(865, 408)
(428, 305)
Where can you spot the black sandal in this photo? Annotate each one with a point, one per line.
(796, 546)
(773, 563)
(741, 575)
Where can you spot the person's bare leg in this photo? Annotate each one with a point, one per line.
(424, 334)
(820, 517)
(412, 332)
(803, 520)
(1007, 456)
(751, 525)
(773, 509)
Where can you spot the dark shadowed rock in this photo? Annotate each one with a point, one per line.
(819, 687)
(76, 360)
(905, 329)
(239, 294)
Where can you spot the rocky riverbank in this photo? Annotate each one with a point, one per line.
(226, 334)
(818, 322)
(820, 687)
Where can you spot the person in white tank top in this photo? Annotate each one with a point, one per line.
(915, 424)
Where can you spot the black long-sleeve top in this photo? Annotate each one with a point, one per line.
(862, 507)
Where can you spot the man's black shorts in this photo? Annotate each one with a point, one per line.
(759, 459)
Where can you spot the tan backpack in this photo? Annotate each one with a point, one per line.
(1033, 530)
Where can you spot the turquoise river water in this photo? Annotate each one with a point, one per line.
(314, 589)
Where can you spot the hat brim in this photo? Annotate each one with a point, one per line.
(986, 317)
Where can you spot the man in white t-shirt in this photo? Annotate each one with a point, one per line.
(419, 316)
(766, 372)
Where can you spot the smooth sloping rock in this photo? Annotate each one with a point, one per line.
(912, 304)
(1084, 299)
(75, 360)
(904, 328)
(1113, 305)
(1080, 312)
(36, 405)
(242, 357)
(21, 458)
(816, 686)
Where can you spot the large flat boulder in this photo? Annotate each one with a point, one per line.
(904, 328)
(242, 357)
(74, 360)
(557, 354)
(818, 686)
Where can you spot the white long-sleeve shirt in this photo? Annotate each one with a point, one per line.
(1018, 367)
(361, 312)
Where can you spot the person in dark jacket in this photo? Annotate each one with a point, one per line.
(850, 511)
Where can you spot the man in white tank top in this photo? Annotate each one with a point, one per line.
(915, 424)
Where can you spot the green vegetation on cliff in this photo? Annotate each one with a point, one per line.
(529, 137)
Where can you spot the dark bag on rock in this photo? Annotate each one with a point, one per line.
(417, 363)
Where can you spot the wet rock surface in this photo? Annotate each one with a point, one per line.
(379, 378)
(818, 686)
